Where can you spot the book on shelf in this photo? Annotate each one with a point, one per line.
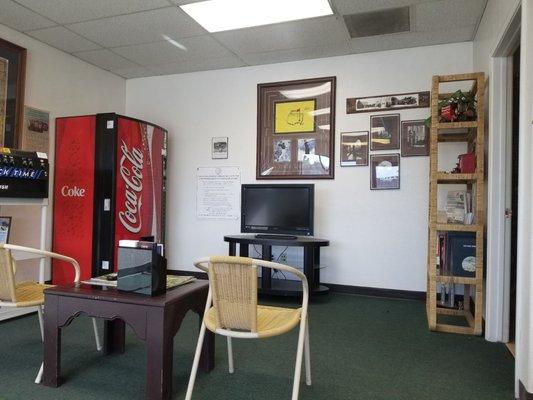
(459, 207)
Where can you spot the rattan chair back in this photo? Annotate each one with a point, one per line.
(234, 287)
(7, 277)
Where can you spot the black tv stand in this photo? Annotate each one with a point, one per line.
(271, 236)
(284, 287)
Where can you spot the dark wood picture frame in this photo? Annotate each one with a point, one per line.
(411, 147)
(318, 165)
(392, 122)
(345, 160)
(375, 161)
(353, 104)
(16, 55)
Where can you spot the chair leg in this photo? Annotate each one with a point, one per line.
(307, 356)
(230, 356)
(96, 335)
(195, 362)
(299, 354)
(39, 375)
(41, 324)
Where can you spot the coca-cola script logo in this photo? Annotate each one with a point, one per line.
(131, 166)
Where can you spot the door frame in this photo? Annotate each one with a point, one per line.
(499, 175)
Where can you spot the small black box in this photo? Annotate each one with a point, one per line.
(141, 268)
(462, 253)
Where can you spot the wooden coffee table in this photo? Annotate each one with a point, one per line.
(154, 320)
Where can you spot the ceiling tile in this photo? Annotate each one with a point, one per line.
(352, 7)
(182, 2)
(20, 18)
(200, 64)
(142, 27)
(164, 52)
(410, 39)
(69, 11)
(135, 72)
(296, 34)
(446, 14)
(279, 56)
(105, 59)
(63, 39)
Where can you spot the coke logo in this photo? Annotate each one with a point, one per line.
(131, 167)
(72, 191)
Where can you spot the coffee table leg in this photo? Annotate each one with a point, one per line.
(114, 336)
(159, 354)
(207, 358)
(52, 344)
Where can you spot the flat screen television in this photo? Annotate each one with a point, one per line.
(278, 209)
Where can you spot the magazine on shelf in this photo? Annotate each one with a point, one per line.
(459, 207)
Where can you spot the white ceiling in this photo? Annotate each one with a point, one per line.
(126, 36)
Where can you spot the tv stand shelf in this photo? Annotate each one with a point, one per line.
(268, 285)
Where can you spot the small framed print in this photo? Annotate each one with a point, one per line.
(219, 148)
(385, 132)
(415, 138)
(354, 149)
(5, 228)
(384, 171)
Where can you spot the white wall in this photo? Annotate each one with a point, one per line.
(378, 238)
(63, 85)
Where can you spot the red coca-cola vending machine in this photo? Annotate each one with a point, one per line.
(109, 184)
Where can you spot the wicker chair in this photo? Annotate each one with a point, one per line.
(236, 314)
(30, 294)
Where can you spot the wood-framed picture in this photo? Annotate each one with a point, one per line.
(354, 149)
(387, 102)
(5, 228)
(296, 129)
(219, 148)
(12, 76)
(414, 138)
(385, 171)
(385, 132)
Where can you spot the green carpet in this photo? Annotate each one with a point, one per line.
(361, 348)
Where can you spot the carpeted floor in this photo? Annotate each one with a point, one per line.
(361, 348)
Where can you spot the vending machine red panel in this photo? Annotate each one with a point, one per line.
(73, 196)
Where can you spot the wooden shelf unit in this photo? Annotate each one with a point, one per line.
(471, 132)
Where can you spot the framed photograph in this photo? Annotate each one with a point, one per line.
(295, 116)
(296, 129)
(219, 148)
(5, 227)
(415, 138)
(385, 132)
(384, 171)
(12, 76)
(35, 133)
(354, 149)
(387, 102)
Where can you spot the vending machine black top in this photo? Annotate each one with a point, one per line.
(23, 174)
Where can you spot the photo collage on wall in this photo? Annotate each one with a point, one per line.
(387, 133)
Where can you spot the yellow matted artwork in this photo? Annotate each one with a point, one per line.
(3, 97)
(295, 116)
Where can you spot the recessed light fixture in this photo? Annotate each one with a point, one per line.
(225, 15)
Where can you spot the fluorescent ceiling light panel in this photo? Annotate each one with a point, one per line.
(225, 15)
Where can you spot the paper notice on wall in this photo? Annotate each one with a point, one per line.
(218, 192)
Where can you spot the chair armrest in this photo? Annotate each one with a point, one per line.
(49, 254)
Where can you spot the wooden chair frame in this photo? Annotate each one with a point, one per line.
(40, 307)
(303, 337)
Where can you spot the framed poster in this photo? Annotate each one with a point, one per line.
(296, 129)
(384, 171)
(5, 228)
(13, 112)
(4, 66)
(415, 138)
(35, 133)
(219, 148)
(387, 102)
(385, 132)
(354, 149)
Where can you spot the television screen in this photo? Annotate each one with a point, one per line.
(282, 209)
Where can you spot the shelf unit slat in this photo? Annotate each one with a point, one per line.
(466, 131)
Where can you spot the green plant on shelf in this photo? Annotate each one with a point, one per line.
(457, 107)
